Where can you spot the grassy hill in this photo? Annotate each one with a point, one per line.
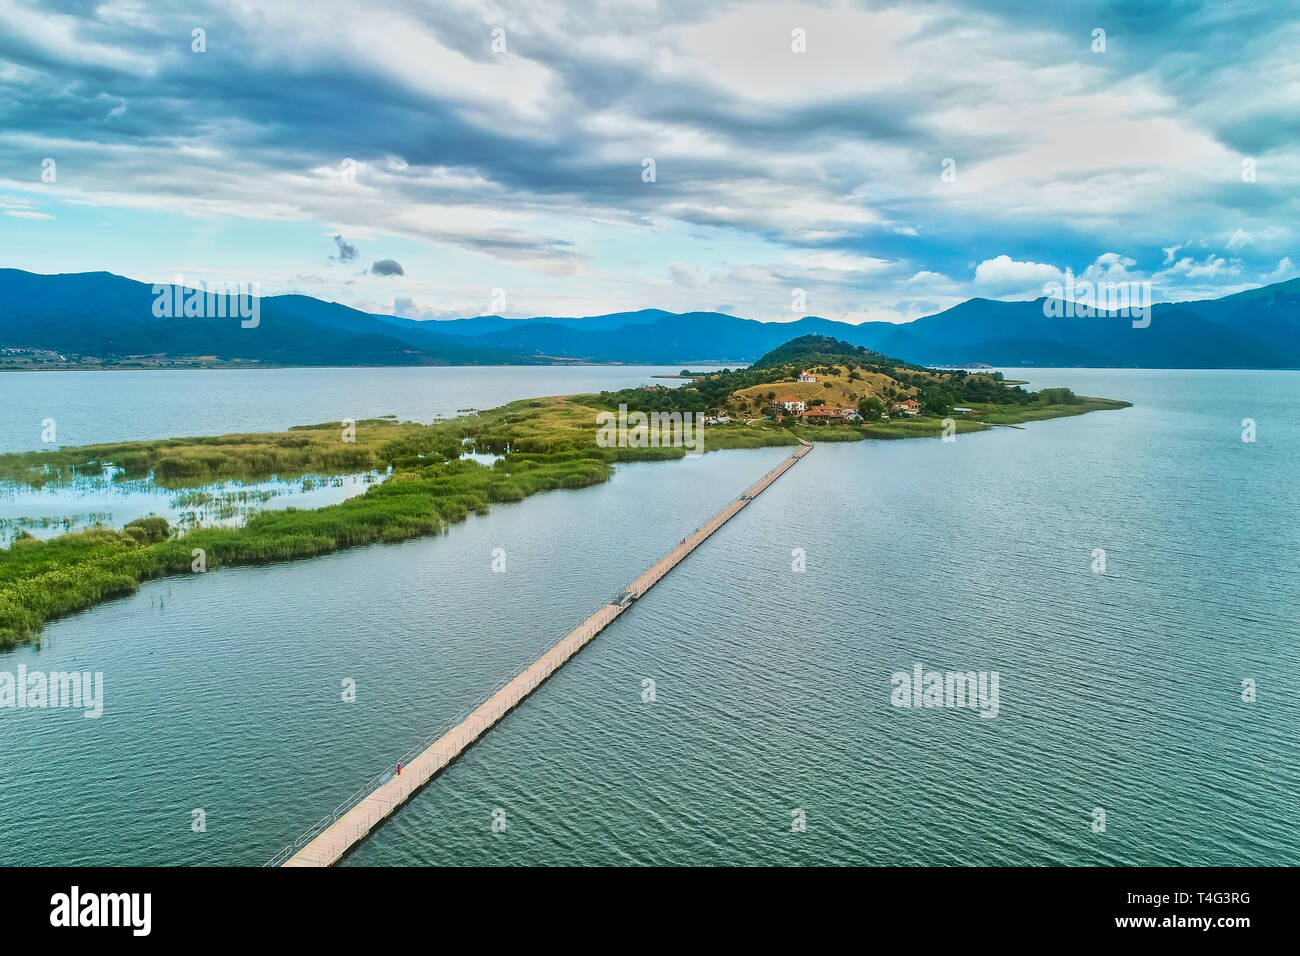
(845, 374)
(849, 375)
(835, 385)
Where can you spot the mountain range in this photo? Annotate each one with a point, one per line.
(108, 319)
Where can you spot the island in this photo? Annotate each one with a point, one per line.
(812, 388)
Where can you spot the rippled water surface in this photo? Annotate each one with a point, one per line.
(1120, 691)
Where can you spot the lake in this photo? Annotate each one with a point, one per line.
(1120, 691)
(90, 407)
(96, 407)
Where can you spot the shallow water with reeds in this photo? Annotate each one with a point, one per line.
(1120, 691)
(84, 501)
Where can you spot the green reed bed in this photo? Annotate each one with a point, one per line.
(547, 445)
(429, 490)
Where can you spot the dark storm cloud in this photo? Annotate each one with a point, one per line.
(119, 94)
(387, 267)
(291, 114)
(293, 111)
(347, 252)
(331, 107)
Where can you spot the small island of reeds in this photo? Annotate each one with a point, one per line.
(539, 445)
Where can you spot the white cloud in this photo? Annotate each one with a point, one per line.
(1285, 270)
(1004, 275)
(1170, 252)
(820, 165)
(1211, 268)
(686, 275)
(1110, 267)
(829, 261)
(748, 51)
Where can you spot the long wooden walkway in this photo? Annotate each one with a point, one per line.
(348, 828)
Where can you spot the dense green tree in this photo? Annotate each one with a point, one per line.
(870, 408)
(1057, 396)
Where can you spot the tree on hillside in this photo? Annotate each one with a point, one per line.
(1057, 396)
(936, 399)
(870, 408)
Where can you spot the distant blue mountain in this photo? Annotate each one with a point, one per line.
(102, 315)
(483, 324)
(107, 316)
(1254, 329)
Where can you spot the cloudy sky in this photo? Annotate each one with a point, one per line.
(889, 159)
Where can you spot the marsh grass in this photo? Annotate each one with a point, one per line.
(546, 444)
(189, 462)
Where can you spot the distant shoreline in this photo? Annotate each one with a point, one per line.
(720, 363)
(265, 366)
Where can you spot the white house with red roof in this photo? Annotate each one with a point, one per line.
(908, 407)
(827, 415)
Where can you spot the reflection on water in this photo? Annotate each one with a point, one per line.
(470, 452)
(108, 500)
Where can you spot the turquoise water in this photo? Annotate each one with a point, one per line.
(1120, 691)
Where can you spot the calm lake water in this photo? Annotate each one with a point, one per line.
(1120, 691)
(94, 407)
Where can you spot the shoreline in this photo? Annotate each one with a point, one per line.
(583, 363)
(542, 444)
(270, 366)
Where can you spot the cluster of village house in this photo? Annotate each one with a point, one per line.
(832, 414)
(826, 414)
